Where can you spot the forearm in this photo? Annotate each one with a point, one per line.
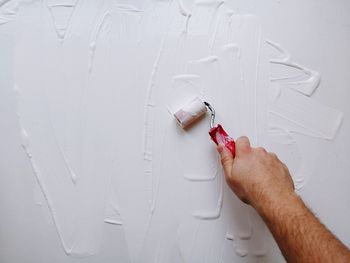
(299, 234)
(260, 179)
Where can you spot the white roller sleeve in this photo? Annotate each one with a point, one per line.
(191, 112)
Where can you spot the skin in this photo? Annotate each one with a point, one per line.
(260, 179)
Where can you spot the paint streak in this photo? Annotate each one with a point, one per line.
(105, 19)
(64, 157)
(61, 14)
(149, 122)
(25, 140)
(8, 10)
(285, 138)
(209, 59)
(241, 252)
(3, 2)
(129, 8)
(183, 9)
(256, 84)
(186, 13)
(66, 161)
(306, 86)
(156, 191)
(195, 178)
(217, 5)
(214, 214)
(229, 236)
(194, 240)
(113, 222)
(245, 235)
(186, 77)
(26, 146)
(233, 47)
(210, 3)
(311, 117)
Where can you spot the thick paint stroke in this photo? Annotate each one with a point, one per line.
(61, 13)
(48, 92)
(8, 10)
(306, 114)
(304, 85)
(293, 110)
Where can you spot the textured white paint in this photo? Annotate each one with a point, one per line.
(94, 81)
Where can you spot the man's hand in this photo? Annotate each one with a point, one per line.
(260, 179)
(254, 174)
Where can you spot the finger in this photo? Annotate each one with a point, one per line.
(242, 145)
(261, 150)
(226, 159)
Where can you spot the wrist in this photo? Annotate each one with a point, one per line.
(268, 204)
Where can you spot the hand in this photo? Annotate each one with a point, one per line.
(260, 179)
(256, 176)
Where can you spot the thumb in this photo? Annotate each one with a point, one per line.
(226, 159)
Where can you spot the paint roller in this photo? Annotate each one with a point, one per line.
(195, 110)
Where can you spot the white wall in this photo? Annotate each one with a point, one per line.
(316, 33)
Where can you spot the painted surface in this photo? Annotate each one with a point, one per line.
(95, 85)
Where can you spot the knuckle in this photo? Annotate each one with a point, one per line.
(242, 139)
(284, 167)
(273, 155)
(225, 160)
(260, 150)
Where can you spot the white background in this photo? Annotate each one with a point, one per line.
(316, 32)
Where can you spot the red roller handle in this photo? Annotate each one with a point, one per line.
(220, 136)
